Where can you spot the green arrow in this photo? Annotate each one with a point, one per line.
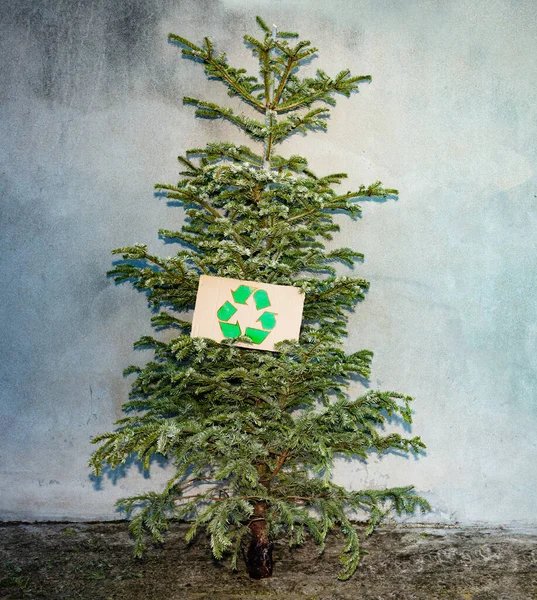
(261, 299)
(241, 294)
(256, 335)
(226, 311)
(267, 320)
(229, 330)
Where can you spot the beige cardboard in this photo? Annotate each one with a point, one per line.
(286, 305)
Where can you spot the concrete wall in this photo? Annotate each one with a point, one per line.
(91, 117)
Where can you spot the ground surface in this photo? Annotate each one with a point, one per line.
(94, 561)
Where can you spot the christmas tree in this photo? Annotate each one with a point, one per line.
(253, 434)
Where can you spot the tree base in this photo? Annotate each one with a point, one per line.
(258, 558)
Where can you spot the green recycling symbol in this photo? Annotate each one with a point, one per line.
(241, 296)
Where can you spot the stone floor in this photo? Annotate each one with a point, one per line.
(93, 561)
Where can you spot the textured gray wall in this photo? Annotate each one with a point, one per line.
(91, 117)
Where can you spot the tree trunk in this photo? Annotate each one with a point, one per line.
(259, 554)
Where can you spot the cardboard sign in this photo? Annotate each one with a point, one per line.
(228, 308)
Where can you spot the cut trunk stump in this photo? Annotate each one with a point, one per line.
(259, 554)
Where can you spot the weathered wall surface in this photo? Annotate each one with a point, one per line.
(91, 117)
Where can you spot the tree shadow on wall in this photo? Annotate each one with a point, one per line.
(122, 471)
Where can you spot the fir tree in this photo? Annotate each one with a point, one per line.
(253, 435)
